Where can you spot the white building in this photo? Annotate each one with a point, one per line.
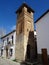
(9, 40)
(8, 46)
(42, 29)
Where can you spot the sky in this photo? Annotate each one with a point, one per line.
(8, 17)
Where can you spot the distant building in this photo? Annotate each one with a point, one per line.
(8, 46)
(42, 29)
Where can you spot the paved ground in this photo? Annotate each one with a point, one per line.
(7, 62)
(4, 61)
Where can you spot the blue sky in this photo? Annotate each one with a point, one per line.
(8, 8)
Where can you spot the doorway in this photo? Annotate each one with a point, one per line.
(28, 51)
(6, 52)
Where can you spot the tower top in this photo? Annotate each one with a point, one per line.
(24, 5)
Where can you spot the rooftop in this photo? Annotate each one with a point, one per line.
(24, 4)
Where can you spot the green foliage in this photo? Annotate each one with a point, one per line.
(14, 60)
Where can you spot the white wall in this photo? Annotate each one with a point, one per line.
(42, 28)
(14, 41)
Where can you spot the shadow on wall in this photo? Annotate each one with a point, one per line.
(31, 52)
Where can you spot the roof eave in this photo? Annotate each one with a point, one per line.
(24, 4)
(42, 16)
(8, 34)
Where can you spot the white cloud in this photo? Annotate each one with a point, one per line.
(14, 27)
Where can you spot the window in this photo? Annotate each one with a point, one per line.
(11, 52)
(1, 52)
(6, 52)
(12, 39)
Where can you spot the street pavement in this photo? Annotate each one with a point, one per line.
(4, 61)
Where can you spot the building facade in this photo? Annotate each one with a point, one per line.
(42, 29)
(8, 46)
(5, 43)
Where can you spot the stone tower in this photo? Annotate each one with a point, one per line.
(24, 33)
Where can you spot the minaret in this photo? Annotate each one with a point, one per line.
(24, 29)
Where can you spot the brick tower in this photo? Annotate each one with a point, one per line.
(24, 33)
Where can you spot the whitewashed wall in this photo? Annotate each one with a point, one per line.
(42, 28)
(12, 47)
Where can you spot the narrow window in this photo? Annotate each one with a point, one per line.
(6, 52)
(12, 39)
(11, 52)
